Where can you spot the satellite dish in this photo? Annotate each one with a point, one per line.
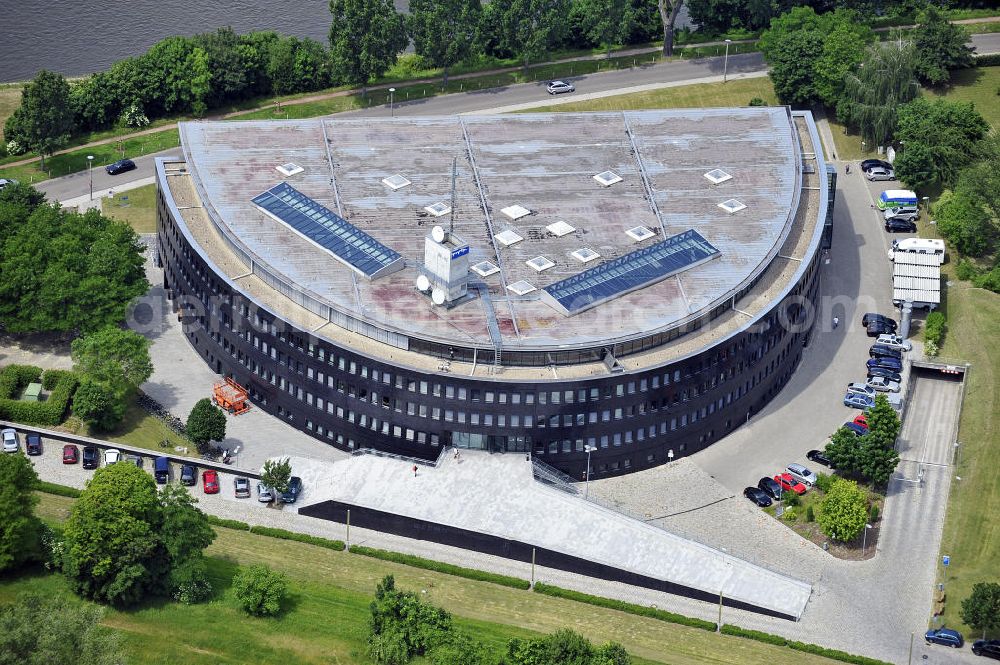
(437, 297)
(437, 234)
(423, 284)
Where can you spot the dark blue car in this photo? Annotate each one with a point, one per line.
(884, 373)
(886, 362)
(121, 166)
(856, 428)
(944, 636)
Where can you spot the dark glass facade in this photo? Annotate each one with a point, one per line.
(351, 401)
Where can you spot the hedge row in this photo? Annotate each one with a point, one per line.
(228, 524)
(832, 654)
(60, 490)
(299, 537)
(988, 60)
(446, 568)
(51, 412)
(630, 608)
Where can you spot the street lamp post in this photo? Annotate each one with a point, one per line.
(586, 486)
(864, 539)
(725, 63)
(90, 170)
(392, 111)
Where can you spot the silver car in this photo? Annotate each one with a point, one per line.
(557, 87)
(880, 173)
(860, 389)
(264, 493)
(883, 384)
(909, 213)
(11, 442)
(801, 474)
(895, 342)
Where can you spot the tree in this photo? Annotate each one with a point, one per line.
(185, 534)
(941, 46)
(98, 405)
(529, 28)
(225, 62)
(603, 21)
(791, 69)
(942, 131)
(877, 88)
(113, 356)
(44, 121)
(878, 462)
(401, 618)
(366, 36)
(19, 528)
(843, 511)
(260, 590)
(444, 31)
(965, 223)
(669, 9)
(981, 610)
(844, 42)
(40, 630)
(205, 423)
(276, 474)
(843, 450)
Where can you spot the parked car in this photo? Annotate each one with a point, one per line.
(880, 173)
(900, 225)
(71, 454)
(883, 385)
(264, 493)
(861, 419)
(944, 636)
(112, 456)
(758, 496)
(189, 476)
(881, 350)
(887, 373)
(4, 182)
(885, 362)
(802, 474)
(860, 389)
(870, 316)
(121, 166)
(789, 484)
(859, 401)
(988, 648)
(291, 495)
(911, 213)
(161, 470)
(134, 459)
(241, 487)
(819, 457)
(873, 163)
(770, 487)
(895, 341)
(856, 428)
(33, 443)
(210, 481)
(90, 457)
(878, 327)
(11, 441)
(557, 87)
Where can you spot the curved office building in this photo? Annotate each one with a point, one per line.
(633, 285)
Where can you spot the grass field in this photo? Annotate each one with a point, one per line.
(325, 619)
(137, 207)
(141, 430)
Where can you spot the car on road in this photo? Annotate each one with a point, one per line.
(789, 484)
(188, 475)
(11, 441)
(875, 163)
(856, 428)
(988, 648)
(869, 318)
(885, 362)
(121, 166)
(264, 493)
(860, 389)
(900, 225)
(71, 454)
(241, 487)
(801, 473)
(161, 470)
(558, 87)
(112, 456)
(210, 481)
(819, 457)
(33, 443)
(883, 385)
(944, 636)
(291, 495)
(758, 496)
(886, 373)
(881, 350)
(858, 401)
(895, 341)
(770, 487)
(880, 173)
(134, 459)
(90, 457)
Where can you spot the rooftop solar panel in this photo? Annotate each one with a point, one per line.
(349, 244)
(629, 272)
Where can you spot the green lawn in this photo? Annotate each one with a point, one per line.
(10, 99)
(142, 430)
(137, 207)
(325, 620)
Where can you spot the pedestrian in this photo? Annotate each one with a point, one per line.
(414, 470)
(836, 322)
(847, 169)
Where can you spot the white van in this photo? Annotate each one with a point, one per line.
(919, 245)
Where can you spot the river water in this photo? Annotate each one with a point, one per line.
(79, 37)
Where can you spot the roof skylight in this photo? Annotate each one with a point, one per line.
(732, 205)
(395, 182)
(289, 169)
(438, 209)
(585, 255)
(640, 233)
(485, 269)
(540, 263)
(522, 287)
(560, 228)
(608, 178)
(508, 237)
(516, 211)
(718, 175)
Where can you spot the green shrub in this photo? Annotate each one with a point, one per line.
(873, 517)
(440, 567)
(966, 270)
(810, 514)
(988, 60)
(934, 328)
(789, 515)
(298, 537)
(790, 498)
(60, 490)
(777, 640)
(824, 481)
(757, 101)
(260, 590)
(14, 378)
(52, 411)
(729, 629)
(227, 524)
(622, 606)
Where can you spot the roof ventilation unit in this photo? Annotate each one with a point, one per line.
(640, 233)
(718, 175)
(485, 269)
(585, 255)
(607, 178)
(438, 209)
(521, 288)
(560, 229)
(540, 263)
(732, 205)
(508, 237)
(515, 211)
(395, 182)
(289, 169)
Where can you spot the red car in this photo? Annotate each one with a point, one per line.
(210, 481)
(789, 484)
(71, 454)
(861, 419)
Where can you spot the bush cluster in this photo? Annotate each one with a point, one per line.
(438, 566)
(934, 328)
(299, 537)
(777, 640)
(228, 524)
(51, 412)
(622, 606)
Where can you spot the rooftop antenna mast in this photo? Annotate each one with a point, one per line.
(454, 174)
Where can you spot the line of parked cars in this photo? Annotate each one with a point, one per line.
(902, 218)
(952, 638)
(795, 478)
